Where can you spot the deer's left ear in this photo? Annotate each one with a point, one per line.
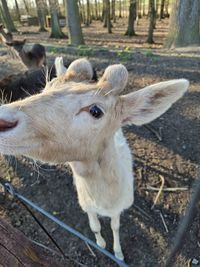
(145, 105)
(79, 70)
(113, 80)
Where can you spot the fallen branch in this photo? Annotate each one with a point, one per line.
(165, 189)
(159, 191)
(163, 221)
(156, 133)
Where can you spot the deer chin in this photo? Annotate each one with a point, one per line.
(14, 149)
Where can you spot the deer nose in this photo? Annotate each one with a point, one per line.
(7, 125)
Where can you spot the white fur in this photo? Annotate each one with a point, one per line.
(59, 65)
(56, 126)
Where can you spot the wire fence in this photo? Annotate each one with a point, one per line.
(26, 202)
(184, 226)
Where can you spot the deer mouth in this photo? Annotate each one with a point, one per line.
(7, 125)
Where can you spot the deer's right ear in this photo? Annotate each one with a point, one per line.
(145, 105)
(79, 70)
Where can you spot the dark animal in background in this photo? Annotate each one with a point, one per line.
(32, 58)
(6, 38)
(22, 85)
(5, 35)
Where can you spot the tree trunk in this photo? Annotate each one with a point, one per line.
(108, 16)
(96, 10)
(17, 10)
(143, 8)
(162, 9)
(166, 8)
(75, 31)
(184, 26)
(104, 14)
(88, 19)
(132, 17)
(17, 250)
(99, 8)
(7, 17)
(139, 9)
(157, 2)
(26, 7)
(113, 11)
(152, 14)
(41, 15)
(82, 15)
(120, 8)
(56, 31)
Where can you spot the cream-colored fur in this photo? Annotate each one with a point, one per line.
(56, 126)
(59, 65)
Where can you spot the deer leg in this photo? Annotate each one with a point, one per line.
(115, 224)
(96, 229)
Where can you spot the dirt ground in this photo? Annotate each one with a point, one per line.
(144, 238)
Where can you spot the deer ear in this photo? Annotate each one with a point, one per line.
(79, 70)
(59, 66)
(114, 79)
(145, 105)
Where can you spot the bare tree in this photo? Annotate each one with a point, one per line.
(139, 9)
(131, 18)
(82, 14)
(96, 10)
(120, 8)
(143, 8)
(152, 15)
(162, 5)
(113, 11)
(17, 10)
(73, 21)
(26, 7)
(184, 26)
(88, 18)
(108, 21)
(166, 8)
(41, 14)
(56, 31)
(7, 17)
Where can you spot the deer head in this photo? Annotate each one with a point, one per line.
(74, 118)
(17, 45)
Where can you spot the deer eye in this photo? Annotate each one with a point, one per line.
(96, 112)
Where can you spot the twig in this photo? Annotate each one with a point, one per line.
(163, 221)
(91, 251)
(165, 189)
(151, 129)
(142, 211)
(159, 191)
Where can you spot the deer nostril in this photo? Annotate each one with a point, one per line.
(7, 125)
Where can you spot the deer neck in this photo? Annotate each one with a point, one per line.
(105, 164)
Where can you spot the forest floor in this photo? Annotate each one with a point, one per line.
(144, 238)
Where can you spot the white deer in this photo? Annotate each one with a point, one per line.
(77, 121)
